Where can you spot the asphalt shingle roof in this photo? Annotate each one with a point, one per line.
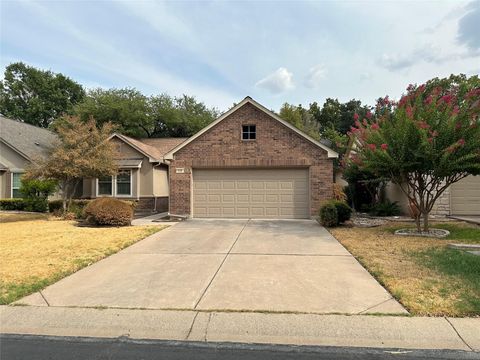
(29, 140)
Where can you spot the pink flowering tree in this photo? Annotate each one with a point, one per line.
(426, 141)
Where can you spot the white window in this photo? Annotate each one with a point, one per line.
(105, 185)
(118, 185)
(16, 185)
(124, 183)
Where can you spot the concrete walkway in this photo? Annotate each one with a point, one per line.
(471, 219)
(297, 329)
(234, 265)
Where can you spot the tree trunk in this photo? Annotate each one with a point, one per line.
(425, 221)
(417, 222)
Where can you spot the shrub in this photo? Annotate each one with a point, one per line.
(339, 192)
(12, 204)
(386, 208)
(329, 215)
(55, 206)
(77, 207)
(343, 210)
(109, 211)
(34, 205)
(37, 188)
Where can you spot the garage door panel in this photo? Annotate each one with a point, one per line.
(257, 198)
(273, 193)
(228, 198)
(228, 184)
(271, 185)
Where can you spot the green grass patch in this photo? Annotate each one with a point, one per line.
(463, 269)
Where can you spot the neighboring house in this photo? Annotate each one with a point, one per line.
(20, 143)
(142, 173)
(461, 198)
(249, 163)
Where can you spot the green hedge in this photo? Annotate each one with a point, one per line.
(34, 205)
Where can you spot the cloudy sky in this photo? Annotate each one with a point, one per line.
(221, 51)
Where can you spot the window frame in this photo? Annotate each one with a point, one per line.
(114, 192)
(98, 187)
(12, 188)
(130, 181)
(249, 132)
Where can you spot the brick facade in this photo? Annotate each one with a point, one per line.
(276, 146)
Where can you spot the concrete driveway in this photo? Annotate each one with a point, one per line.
(251, 265)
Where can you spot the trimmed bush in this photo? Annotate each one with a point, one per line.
(343, 210)
(109, 211)
(12, 204)
(33, 205)
(328, 215)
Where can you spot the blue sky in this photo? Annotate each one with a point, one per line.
(221, 51)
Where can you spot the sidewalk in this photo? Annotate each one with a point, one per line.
(246, 327)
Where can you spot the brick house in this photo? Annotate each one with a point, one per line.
(249, 163)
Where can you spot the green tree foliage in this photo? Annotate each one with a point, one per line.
(429, 140)
(83, 151)
(137, 115)
(37, 96)
(179, 116)
(337, 115)
(301, 118)
(126, 108)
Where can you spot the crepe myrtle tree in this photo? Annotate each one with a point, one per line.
(83, 150)
(425, 142)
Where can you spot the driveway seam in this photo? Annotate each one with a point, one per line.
(374, 306)
(43, 297)
(221, 264)
(458, 334)
(191, 326)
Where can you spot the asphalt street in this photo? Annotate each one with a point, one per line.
(13, 347)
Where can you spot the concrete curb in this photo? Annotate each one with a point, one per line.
(245, 327)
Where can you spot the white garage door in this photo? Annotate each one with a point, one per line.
(247, 193)
(465, 196)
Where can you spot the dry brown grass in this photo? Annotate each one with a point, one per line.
(15, 216)
(421, 289)
(44, 250)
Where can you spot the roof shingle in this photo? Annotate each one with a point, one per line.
(29, 140)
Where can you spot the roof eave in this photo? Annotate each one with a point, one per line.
(121, 137)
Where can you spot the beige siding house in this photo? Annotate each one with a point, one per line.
(142, 173)
(20, 143)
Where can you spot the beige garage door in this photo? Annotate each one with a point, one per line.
(274, 193)
(465, 196)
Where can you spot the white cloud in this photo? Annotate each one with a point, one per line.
(315, 76)
(278, 81)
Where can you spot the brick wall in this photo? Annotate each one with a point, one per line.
(275, 146)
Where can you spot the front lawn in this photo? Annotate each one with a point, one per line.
(36, 251)
(425, 275)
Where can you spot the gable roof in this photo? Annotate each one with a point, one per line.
(153, 148)
(28, 140)
(248, 100)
